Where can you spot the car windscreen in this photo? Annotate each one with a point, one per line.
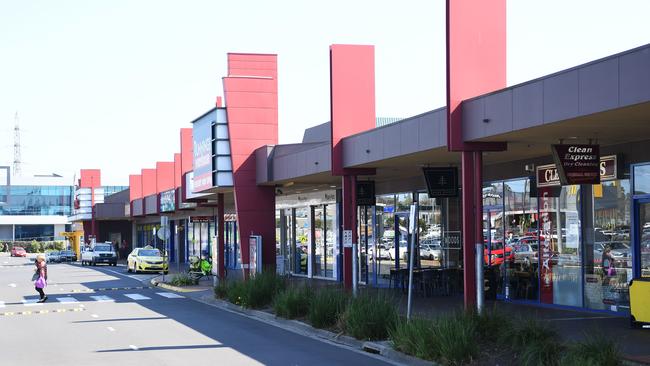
(103, 248)
(67, 252)
(149, 253)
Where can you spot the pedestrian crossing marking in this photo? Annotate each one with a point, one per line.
(2, 304)
(137, 297)
(67, 299)
(38, 312)
(110, 289)
(32, 302)
(170, 295)
(102, 298)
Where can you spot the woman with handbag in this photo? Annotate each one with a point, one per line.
(40, 277)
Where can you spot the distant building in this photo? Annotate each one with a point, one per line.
(36, 207)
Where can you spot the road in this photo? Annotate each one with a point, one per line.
(105, 316)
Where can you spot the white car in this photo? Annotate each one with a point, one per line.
(403, 250)
(382, 252)
(431, 250)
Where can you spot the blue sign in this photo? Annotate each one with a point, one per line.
(389, 209)
(202, 146)
(168, 201)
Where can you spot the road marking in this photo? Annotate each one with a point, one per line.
(133, 277)
(37, 312)
(110, 329)
(12, 285)
(31, 302)
(103, 298)
(133, 347)
(2, 304)
(94, 316)
(67, 299)
(170, 295)
(137, 297)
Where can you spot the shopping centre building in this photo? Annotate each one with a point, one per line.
(545, 240)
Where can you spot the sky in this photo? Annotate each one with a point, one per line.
(108, 84)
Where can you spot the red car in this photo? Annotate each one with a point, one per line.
(18, 252)
(498, 254)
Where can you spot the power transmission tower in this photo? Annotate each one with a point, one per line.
(16, 166)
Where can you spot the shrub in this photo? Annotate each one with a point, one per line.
(262, 288)
(293, 302)
(221, 290)
(369, 316)
(455, 338)
(236, 293)
(257, 292)
(327, 305)
(181, 279)
(596, 351)
(416, 338)
(536, 343)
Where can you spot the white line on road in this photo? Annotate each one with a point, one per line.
(103, 298)
(67, 299)
(137, 297)
(133, 347)
(95, 316)
(12, 285)
(110, 329)
(32, 302)
(139, 279)
(170, 295)
(2, 304)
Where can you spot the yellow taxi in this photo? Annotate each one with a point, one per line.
(147, 259)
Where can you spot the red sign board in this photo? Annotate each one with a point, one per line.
(577, 164)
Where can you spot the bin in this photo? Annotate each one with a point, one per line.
(640, 302)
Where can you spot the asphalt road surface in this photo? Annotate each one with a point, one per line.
(105, 316)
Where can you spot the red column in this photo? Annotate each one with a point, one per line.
(221, 248)
(469, 271)
(349, 223)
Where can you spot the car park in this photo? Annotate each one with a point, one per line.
(67, 256)
(431, 249)
(100, 253)
(525, 253)
(146, 259)
(52, 256)
(18, 252)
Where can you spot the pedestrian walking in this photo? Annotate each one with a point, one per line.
(40, 277)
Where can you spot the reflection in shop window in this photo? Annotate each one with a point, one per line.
(608, 255)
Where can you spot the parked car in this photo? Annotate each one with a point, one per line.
(382, 252)
(620, 251)
(52, 257)
(100, 253)
(18, 252)
(526, 253)
(403, 250)
(431, 249)
(498, 254)
(67, 256)
(146, 259)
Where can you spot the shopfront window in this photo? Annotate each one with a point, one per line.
(301, 245)
(320, 265)
(608, 254)
(401, 255)
(385, 222)
(560, 247)
(521, 239)
(644, 235)
(429, 225)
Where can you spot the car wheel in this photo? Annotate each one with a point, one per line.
(128, 268)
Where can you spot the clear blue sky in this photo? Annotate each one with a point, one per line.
(107, 84)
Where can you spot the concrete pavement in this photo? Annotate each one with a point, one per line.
(103, 316)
